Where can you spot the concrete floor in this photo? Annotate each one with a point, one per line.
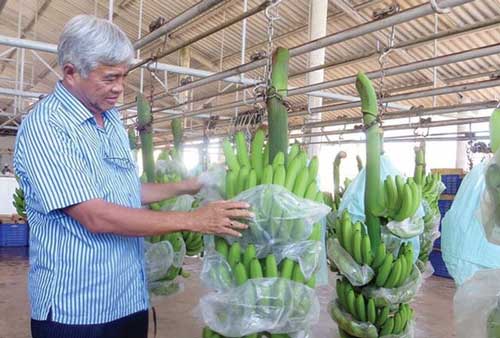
(178, 317)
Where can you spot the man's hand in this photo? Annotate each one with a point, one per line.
(218, 218)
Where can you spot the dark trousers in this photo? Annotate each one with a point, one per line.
(131, 326)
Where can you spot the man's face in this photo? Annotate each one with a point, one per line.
(102, 87)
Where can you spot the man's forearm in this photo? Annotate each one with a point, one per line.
(102, 217)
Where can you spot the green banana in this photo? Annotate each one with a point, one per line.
(384, 271)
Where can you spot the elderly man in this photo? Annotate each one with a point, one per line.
(83, 197)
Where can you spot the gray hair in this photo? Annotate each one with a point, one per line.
(88, 41)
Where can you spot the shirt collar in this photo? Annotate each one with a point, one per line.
(77, 112)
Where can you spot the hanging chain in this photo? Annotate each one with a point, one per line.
(271, 15)
(382, 62)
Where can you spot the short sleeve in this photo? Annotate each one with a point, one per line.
(55, 168)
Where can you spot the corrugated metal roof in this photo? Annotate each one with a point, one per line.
(43, 20)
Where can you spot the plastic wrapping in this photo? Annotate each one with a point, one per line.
(306, 253)
(475, 303)
(490, 203)
(165, 288)
(280, 217)
(393, 243)
(216, 272)
(274, 305)
(159, 257)
(213, 185)
(358, 275)
(350, 325)
(464, 246)
(403, 294)
(408, 333)
(171, 167)
(179, 203)
(407, 228)
(353, 198)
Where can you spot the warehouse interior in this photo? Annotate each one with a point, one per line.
(208, 79)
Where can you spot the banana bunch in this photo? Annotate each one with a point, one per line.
(246, 170)
(400, 199)
(245, 265)
(194, 242)
(390, 272)
(364, 309)
(19, 202)
(177, 242)
(430, 187)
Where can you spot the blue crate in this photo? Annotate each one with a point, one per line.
(437, 243)
(452, 183)
(14, 234)
(437, 262)
(444, 206)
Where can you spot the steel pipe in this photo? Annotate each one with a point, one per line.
(370, 27)
(404, 139)
(431, 124)
(177, 21)
(409, 96)
(414, 66)
(22, 93)
(478, 26)
(224, 25)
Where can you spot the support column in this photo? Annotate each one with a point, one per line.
(318, 10)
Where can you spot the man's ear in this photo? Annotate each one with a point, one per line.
(71, 74)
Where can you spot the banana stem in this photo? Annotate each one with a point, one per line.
(419, 166)
(372, 187)
(277, 113)
(495, 130)
(145, 127)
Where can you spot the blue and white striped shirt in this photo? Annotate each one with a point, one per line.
(62, 158)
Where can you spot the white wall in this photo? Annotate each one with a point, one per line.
(7, 150)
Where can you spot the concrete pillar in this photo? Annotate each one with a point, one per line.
(318, 10)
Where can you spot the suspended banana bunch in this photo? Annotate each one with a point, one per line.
(378, 278)
(249, 170)
(401, 198)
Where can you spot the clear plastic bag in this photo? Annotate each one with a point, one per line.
(216, 272)
(464, 246)
(159, 258)
(476, 306)
(350, 325)
(165, 288)
(358, 275)
(393, 243)
(407, 228)
(180, 203)
(171, 167)
(403, 294)
(274, 305)
(306, 253)
(490, 202)
(280, 218)
(353, 198)
(213, 185)
(408, 333)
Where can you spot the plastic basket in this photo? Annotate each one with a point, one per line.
(438, 264)
(452, 183)
(14, 234)
(444, 206)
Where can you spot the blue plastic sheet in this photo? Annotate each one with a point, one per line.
(354, 200)
(464, 246)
